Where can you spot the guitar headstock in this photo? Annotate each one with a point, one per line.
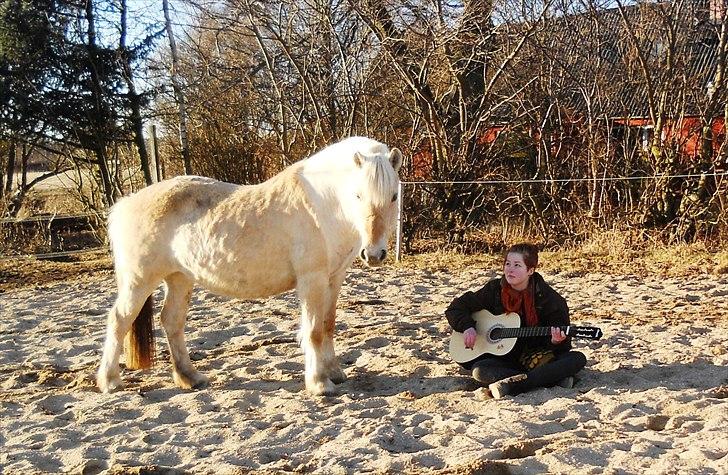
(589, 333)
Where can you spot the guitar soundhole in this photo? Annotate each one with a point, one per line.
(494, 334)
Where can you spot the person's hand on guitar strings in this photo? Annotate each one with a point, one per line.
(469, 336)
(557, 335)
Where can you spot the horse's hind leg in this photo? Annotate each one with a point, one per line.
(174, 315)
(313, 293)
(129, 302)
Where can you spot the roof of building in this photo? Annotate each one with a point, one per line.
(632, 52)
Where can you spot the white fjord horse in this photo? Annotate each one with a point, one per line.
(301, 229)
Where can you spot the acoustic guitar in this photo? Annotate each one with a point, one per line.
(497, 335)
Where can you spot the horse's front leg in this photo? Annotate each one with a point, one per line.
(313, 292)
(331, 362)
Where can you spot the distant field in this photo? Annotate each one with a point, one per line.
(71, 179)
(68, 180)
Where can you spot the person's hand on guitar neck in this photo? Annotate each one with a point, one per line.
(557, 335)
(469, 336)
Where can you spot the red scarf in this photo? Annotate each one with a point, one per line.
(520, 302)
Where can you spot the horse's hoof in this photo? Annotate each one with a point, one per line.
(337, 376)
(109, 385)
(321, 388)
(190, 381)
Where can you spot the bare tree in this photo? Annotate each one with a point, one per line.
(459, 63)
(473, 90)
(178, 91)
(292, 76)
(135, 100)
(665, 42)
(705, 205)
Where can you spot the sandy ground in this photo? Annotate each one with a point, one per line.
(653, 398)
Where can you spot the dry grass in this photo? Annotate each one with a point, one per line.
(608, 253)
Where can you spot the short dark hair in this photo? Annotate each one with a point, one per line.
(527, 250)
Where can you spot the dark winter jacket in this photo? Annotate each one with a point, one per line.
(551, 309)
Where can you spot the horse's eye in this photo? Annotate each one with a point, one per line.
(358, 196)
(394, 197)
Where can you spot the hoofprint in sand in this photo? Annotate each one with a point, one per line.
(653, 398)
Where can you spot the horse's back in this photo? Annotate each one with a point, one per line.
(167, 202)
(142, 225)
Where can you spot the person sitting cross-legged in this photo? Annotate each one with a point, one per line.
(534, 362)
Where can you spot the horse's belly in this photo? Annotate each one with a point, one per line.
(251, 281)
(248, 275)
(243, 291)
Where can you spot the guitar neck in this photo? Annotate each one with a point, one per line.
(521, 332)
(590, 333)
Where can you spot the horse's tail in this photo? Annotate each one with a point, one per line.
(139, 342)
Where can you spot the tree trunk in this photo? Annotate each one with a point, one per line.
(99, 140)
(10, 168)
(155, 152)
(16, 199)
(135, 99)
(178, 93)
(105, 175)
(2, 175)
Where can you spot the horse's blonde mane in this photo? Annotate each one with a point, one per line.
(383, 181)
(338, 159)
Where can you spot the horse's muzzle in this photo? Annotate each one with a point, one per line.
(375, 259)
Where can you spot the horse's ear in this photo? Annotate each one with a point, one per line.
(395, 158)
(358, 159)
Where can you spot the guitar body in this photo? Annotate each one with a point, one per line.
(485, 322)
